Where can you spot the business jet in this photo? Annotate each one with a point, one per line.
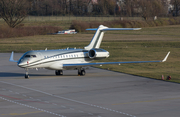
(72, 58)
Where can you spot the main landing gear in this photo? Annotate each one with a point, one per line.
(59, 72)
(81, 72)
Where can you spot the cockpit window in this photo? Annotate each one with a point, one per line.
(28, 56)
(33, 55)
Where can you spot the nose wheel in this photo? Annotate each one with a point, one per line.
(26, 75)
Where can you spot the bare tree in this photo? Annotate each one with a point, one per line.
(176, 4)
(13, 11)
(79, 7)
(129, 6)
(151, 8)
(145, 8)
(106, 6)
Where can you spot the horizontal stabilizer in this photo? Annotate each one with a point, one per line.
(113, 29)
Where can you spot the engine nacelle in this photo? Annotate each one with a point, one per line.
(98, 54)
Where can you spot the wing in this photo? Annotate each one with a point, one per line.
(11, 58)
(105, 63)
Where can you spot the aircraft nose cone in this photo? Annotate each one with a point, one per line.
(20, 64)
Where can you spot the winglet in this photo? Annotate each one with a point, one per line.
(166, 57)
(11, 58)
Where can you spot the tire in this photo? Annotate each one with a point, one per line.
(79, 73)
(26, 76)
(56, 72)
(83, 72)
(59, 72)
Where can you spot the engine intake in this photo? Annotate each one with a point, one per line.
(98, 54)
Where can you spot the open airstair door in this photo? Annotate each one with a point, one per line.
(98, 36)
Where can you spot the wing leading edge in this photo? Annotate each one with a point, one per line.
(105, 63)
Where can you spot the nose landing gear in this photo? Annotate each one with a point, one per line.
(26, 75)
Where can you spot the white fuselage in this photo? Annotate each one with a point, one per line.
(53, 59)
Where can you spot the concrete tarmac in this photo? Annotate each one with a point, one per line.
(100, 93)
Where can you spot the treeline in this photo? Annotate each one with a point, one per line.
(145, 8)
(81, 26)
(72, 7)
(15, 11)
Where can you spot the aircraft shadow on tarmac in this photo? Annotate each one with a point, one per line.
(7, 74)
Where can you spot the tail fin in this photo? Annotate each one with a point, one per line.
(98, 36)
